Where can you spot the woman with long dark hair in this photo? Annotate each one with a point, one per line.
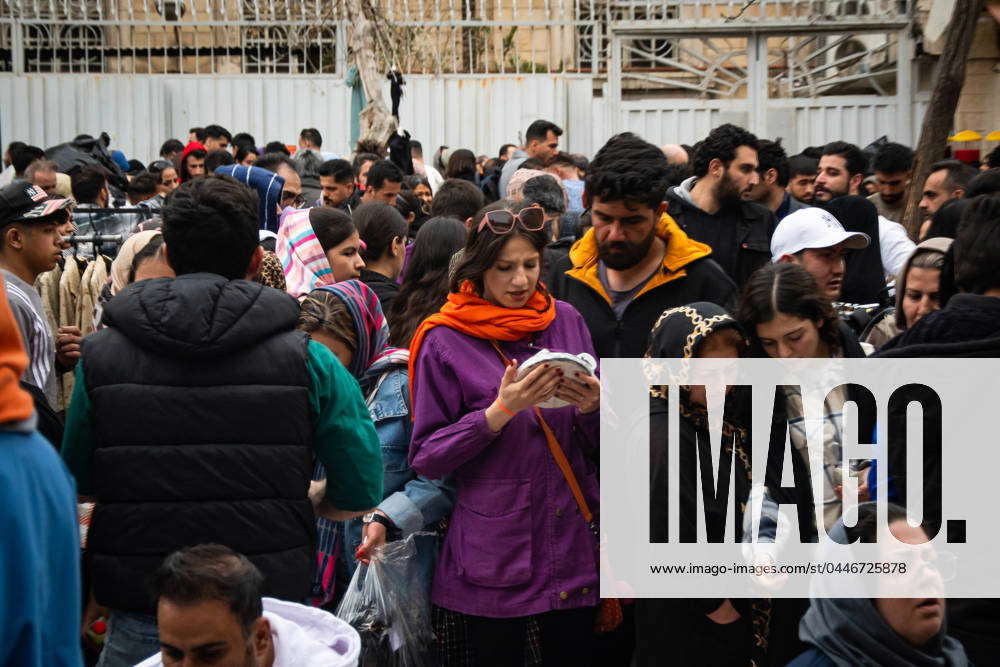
(787, 317)
(425, 287)
(520, 545)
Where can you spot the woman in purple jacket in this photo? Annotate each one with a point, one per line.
(518, 546)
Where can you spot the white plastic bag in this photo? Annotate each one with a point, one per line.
(387, 604)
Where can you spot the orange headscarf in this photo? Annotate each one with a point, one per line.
(15, 403)
(467, 312)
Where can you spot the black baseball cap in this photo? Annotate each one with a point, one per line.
(22, 201)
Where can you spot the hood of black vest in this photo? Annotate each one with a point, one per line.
(200, 314)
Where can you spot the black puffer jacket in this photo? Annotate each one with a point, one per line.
(200, 393)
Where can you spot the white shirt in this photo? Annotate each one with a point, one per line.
(434, 178)
(895, 245)
(303, 637)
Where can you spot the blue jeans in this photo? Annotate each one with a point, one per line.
(131, 639)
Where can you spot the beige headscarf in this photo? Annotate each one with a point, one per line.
(517, 181)
(122, 264)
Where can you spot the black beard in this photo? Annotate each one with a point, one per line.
(726, 193)
(628, 254)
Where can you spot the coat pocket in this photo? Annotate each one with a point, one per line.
(492, 532)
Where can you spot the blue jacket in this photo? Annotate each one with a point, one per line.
(268, 186)
(39, 555)
(412, 501)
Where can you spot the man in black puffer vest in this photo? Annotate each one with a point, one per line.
(197, 415)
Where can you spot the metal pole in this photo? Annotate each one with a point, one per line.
(17, 47)
(614, 85)
(757, 83)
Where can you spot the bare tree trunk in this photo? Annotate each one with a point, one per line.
(940, 117)
(377, 123)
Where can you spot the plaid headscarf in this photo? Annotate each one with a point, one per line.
(373, 355)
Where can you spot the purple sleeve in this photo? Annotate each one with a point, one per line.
(445, 434)
(586, 428)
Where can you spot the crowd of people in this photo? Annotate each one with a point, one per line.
(297, 359)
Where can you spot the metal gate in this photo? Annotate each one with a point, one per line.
(808, 72)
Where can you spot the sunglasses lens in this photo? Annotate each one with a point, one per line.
(500, 222)
(533, 219)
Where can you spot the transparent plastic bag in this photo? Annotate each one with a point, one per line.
(387, 604)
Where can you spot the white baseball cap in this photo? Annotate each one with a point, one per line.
(812, 228)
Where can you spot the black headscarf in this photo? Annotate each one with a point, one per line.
(679, 333)
(864, 278)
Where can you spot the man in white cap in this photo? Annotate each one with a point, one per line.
(815, 239)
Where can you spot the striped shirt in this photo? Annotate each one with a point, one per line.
(35, 335)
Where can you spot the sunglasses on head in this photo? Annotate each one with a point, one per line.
(531, 219)
(160, 165)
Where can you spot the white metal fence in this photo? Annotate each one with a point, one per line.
(141, 111)
(481, 113)
(477, 71)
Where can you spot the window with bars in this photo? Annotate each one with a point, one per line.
(644, 53)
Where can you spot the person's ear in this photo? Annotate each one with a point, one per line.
(468, 223)
(771, 176)
(13, 237)
(856, 181)
(716, 167)
(261, 636)
(255, 260)
(788, 259)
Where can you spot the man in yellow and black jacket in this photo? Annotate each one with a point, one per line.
(635, 261)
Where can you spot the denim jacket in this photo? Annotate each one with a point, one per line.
(411, 501)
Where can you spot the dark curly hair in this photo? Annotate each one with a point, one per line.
(977, 245)
(628, 168)
(993, 158)
(721, 143)
(893, 159)
(770, 155)
(789, 289)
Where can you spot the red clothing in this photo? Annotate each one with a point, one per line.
(192, 146)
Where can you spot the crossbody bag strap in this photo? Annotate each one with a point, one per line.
(557, 453)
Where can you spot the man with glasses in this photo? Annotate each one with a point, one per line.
(282, 165)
